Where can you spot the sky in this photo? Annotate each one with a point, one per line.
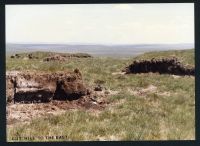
(101, 23)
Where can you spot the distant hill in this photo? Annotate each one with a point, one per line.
(96, 49)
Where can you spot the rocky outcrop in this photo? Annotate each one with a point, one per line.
(44, 87)
(162, 66)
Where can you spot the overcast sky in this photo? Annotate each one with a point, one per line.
(100, 23)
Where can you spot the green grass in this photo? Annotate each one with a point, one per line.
(185, 56)
(128, 117)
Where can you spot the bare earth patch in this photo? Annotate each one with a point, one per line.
(143, 91)
(21, 112)
(186, 76)
(175, 76)
(149, 89)
(164, 94)
(111, 137)
(118, 73)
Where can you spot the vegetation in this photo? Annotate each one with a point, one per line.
(167, 113)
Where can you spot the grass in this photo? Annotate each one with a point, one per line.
(128, 117)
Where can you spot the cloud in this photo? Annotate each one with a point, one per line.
(109, 23)
(123, 7)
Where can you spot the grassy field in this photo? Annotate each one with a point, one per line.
(167, 112)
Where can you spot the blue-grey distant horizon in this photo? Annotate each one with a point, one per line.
(100, 50)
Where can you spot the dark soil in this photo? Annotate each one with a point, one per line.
(43, 87)
(162, 66)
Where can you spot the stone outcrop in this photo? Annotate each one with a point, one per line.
(162, 66)
(44, 87)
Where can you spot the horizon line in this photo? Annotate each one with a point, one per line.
(79, 43)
